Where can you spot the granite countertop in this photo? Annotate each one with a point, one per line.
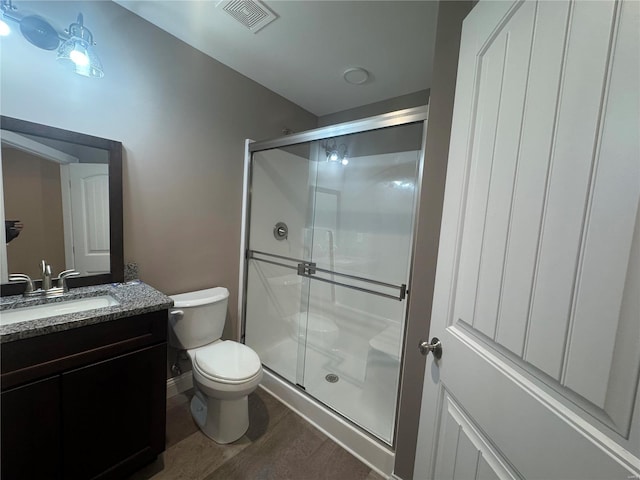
(134, 298)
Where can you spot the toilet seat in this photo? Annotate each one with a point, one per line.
(227, 362)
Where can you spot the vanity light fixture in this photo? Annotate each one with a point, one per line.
(5, 6)
(336, 153)
(76, 49)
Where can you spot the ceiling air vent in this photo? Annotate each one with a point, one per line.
(253, 14)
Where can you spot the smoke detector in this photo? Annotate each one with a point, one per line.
(253, 14)
(356, 76)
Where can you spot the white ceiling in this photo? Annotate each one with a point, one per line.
(302, 55)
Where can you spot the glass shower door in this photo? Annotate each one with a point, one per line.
(361, 244)
(282, 182)
(330, 240)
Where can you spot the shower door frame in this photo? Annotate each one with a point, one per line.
(392, 119)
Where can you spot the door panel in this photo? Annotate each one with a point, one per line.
(282, 186)
(572, 230)
(607, 235)
(465, 452)
(362, 350)
(325, 306)
(274, 312)
(530, 178)
(362, 235)
(282, 181)
(576, 139)
(113, 411)
(90, 217)
(503, 68)
(30, 422)
(539, 248)
(539, 435)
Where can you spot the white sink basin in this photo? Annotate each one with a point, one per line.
(54, 309)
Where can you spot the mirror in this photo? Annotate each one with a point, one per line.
(62, 202)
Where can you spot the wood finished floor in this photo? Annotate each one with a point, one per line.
(279, 445)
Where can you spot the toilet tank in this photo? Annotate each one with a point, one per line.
(197, 318)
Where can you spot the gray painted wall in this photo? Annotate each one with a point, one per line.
(415, 99)
(182, 118)
(445, 68)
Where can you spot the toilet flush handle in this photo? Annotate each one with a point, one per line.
(176, 315)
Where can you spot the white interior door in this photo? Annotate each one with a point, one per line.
(89, 202)
(537, 297)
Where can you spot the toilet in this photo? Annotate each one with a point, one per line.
(224, 372)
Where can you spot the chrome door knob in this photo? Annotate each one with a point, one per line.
(435, 347)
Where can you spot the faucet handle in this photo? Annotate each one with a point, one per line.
(62, 283)
(69, 273)
(21, 277)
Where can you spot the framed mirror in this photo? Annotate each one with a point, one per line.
(61, 201)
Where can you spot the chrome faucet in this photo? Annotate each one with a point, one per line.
(45, 270)
(47, 289)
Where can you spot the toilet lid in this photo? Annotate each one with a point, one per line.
(227, 360)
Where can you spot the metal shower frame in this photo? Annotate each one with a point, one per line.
(391, 119)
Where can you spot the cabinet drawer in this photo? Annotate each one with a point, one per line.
(37, 357)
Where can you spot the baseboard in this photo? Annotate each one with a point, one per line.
(179, 384)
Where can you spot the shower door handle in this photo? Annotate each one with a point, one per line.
(306, 269)
(434, 347)
(310, 270)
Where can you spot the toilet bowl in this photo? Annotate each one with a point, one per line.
(224, 372)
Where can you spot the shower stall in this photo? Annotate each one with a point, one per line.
(329, 229)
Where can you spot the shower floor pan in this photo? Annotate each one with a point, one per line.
(367, 404)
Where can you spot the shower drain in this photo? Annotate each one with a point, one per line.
(332, 378)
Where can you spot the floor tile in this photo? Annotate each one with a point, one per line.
(278, 454)
(180, 423)
(279, 445)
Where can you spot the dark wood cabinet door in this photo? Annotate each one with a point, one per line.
(114, 415)
(30, 431)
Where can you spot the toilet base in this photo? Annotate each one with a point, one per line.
(223, 421)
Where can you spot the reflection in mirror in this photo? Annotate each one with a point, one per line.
(58, 194)
(61, 200)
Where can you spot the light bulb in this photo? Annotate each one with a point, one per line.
(345, 162)
(4, 29)
(333, 157)
(79, 57)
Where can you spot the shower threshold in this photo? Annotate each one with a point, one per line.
(361, 444)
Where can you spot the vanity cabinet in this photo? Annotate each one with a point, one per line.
(86, 403)
(30, 427)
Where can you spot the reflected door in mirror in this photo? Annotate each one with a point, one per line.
(89, 218)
